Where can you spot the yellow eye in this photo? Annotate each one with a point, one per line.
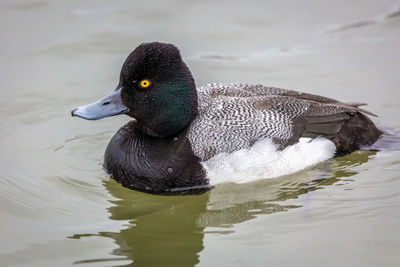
(144, 83)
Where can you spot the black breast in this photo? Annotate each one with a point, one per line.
(160, 165)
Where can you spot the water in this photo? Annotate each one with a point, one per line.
(57, 206)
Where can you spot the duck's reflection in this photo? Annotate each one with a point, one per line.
(169, 230)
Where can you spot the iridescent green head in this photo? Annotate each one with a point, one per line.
(156, 88)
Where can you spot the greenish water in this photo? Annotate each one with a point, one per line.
(57, 206)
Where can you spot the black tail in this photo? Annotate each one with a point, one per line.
(388, 141)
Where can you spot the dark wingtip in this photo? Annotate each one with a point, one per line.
(367, 112)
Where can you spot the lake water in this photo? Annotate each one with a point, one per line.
(57, 206)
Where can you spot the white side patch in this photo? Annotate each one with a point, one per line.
(263, 160)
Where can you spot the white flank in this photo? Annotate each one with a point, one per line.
(263, 160)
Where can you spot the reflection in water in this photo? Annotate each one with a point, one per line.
(162, 230)
(169, 230)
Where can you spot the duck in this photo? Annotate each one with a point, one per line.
(178, 132)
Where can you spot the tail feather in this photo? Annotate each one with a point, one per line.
(388, 141)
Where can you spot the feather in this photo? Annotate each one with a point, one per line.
(235, 116)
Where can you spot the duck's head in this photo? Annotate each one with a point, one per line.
(155, 87)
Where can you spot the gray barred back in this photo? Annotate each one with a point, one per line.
(235, 116)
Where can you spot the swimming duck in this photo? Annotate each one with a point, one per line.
(178, 129)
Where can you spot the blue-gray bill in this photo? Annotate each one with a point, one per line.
(111, 105)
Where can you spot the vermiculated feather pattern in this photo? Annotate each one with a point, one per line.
(235, 116)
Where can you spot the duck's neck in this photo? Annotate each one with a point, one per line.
(153, 164)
